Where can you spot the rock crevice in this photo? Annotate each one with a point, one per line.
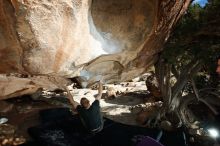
(115, 39)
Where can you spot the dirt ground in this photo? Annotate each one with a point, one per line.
(129, 101)
(24, 113)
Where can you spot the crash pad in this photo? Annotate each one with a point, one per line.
(59, 127)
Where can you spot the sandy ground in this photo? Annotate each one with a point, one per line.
(121, 109)
(124, 107)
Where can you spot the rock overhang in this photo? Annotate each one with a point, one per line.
(116, 39)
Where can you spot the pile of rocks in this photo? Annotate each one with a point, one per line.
(8, 136)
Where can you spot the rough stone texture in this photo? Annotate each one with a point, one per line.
(5, 107)
(13, 85)
(116, 39)
(111, 93)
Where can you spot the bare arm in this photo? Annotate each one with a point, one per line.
(99, 91)
(70, 97)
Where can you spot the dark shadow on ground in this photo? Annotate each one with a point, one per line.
(60, 128)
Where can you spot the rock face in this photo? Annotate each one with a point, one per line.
(115, 39)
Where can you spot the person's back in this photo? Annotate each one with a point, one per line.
(90, 114)
(91, 117)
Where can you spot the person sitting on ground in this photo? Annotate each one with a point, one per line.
(90, 114)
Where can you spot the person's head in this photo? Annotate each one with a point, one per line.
(85, 102)
(218, 66)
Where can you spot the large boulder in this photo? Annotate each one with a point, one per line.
(115, 39)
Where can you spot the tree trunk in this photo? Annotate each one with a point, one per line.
(172, 95)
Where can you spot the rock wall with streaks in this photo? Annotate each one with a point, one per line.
(116, 40)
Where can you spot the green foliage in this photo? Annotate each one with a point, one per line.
(196, 36)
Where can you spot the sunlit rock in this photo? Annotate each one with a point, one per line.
(116, 40)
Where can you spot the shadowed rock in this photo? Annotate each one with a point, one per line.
(115, 39)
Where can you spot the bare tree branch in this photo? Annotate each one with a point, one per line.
(210, 106)
(202, 100)
(175, 72)
(186, 115)
(213, 93)
(204, 89)
(193, 67)
(195, 88)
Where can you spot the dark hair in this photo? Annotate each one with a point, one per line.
(84, 102)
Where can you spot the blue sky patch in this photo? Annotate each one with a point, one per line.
(202, 3)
